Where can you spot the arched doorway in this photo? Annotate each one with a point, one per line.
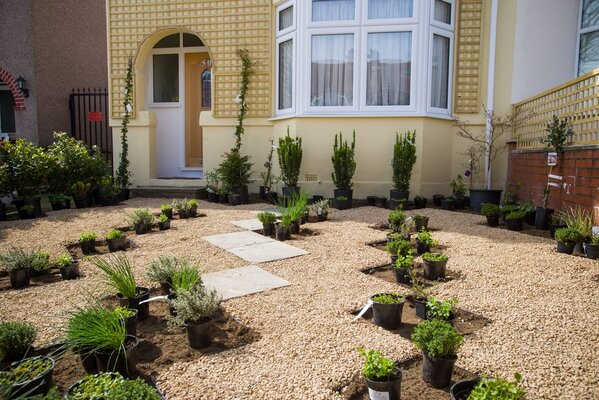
(179, 89)
(7, 112)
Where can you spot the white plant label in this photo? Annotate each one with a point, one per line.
(374, 395)
(363, 311)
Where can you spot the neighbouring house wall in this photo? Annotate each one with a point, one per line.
(16, 57)
(69, 47)
(579, 186)
(545, 52)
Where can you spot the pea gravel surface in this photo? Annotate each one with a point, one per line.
(544, 306)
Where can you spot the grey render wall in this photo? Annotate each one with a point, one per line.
(16, 56)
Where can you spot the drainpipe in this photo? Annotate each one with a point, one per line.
(490, 87)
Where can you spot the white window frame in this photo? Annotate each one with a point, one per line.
(286, 111)
(391, 21)
(444, 112)
(411, 108)
(330, 24)
(440, 24)
(280, 8)
(581, 31)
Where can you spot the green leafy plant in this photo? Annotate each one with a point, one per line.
(579, 219)
(15, 339)
(404, 262)
(88, 237)
(141, 216)
(497, 389)
(17, 258)
(420, 291)
(440, 309)
(298, 205)
(268, 180)
(25, 371)
(490, 210)
(162, 219)
(516, 215)
(458, 188)
(163, 269)
(568, 235)
(290, 158)
(123, 312)
(286, 219)
(419, 198)
(404, 158)
(400, 247)
(27, 168)
(194, 305)
(426, 238)
(527, 208)
(396, 219)
(321, 207)
(193, 203)
(70, 162)
(344, 163)
(58, 197)
(558, 133)
(136, 389)
(595, 240)
(376, 366)
(65, 260)
(235, 169)
(434, 257)
(407, 227)
(342, 198)
(114, 387)
(115, 234)
(186, 277)
(437, 339)
(95, 328)
(118, 274)
(182, 206)
(79, 189)
(123, 175)
(165, 208)
(388, 298)
(512, 194)
(267, 218)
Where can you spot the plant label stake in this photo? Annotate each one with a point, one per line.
(154, 299)
(375, 395)
(363, 311)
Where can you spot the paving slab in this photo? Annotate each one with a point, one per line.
(249, 224)
(237, 239)
(242, 281)
(265, 252)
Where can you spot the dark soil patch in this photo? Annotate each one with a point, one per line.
(52, 275)
(101, 248)
(308, 232)
(412, 385)
(465, 322)
(385, 272)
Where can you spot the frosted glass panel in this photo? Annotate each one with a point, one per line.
(166, 78)
(440, 72)
(443, 11)
(385, 9)
(286, 18)
(285, 75)
(333, 10)
(332, 70)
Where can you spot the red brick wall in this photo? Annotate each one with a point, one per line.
(579, 186)
(11, 82)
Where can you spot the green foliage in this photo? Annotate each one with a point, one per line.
(298, 205)
(235, 169)
(181, 206)
(321, 207)
(420, 291)
(458, 187)
(440, 309)
(388, 298)
(290, 159)
(58, 197)
(376, 366)
(17, 258)
(247, 66)
(27, 168)
(163, 269)
(194, 305)
(595, 240)
(437, 339)
(419, 198)
(141, 216)
(344, 163)
(404, 158)
(434, 257)
(342, 198)
(15, 339)
(108, 189)
(123, 312)
(114, 387)
(267, 178)
(516, 215)
(65, 260)
(527, 208)
(118, 274)
(267, 218)
(490, 210)
(186, 277)
(95, 328)
(123, 175)
(426, 237)
(5, 188)
(497, 389)
(579, 219)
(512, 194)
(162, 219)
(399, 247)
(396, 219)
(166, 208)
(568, 235)
(136, 389)
(25, 371)
(193, 203)
(70, 162)
(115, 234)
(88, 237)
(79, 189)
(558, 133)
(404, 262)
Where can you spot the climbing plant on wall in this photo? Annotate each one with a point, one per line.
(123, 175)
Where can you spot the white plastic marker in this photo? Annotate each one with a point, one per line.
(154, 298)
(558, 177)
(363, 311)
(554, 184)
(374, 395)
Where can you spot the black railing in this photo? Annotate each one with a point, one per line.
(89, 119)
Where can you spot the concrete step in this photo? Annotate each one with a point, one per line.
(168, 192)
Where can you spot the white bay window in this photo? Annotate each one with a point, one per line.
(588, 36)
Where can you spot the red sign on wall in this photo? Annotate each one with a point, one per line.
(94, 116)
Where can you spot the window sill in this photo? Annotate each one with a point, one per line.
(365, 115)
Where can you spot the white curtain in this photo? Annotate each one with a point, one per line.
(384, 9)
(443, 11)
(389, 69)
(333, 10)
(440, 72)
(332, 70)
(286, 18)
(285, 74)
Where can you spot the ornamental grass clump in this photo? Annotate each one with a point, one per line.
(266, 218)
(118, 274)
(17, 258)
(141, 216)
(16, 339)
(88, 237)
(186, 277)
(95, 328)
(578, 219)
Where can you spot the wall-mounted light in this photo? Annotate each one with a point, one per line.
(21, 83)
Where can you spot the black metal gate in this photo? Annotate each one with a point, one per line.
(89, 119)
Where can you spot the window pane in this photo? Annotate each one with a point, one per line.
(332, 70)
(285, 74)
(440, 72)
(590, 13)
(286, 18)
(389, 69)
(206, 89)
(589, 52)
(168, 42)
(333, 10)
(383, 9)
(190, 40)
(443, 11)
(166, 78)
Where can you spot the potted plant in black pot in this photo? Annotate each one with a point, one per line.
(398, 247)
(290, 160)
(111, 385)
(382, 375)
(118, 275)
(420, 295)
(69, 268)
(403, 267)
(164, 223)
(87, 242)
(342, 203)
(555, 224)
(440, 309)
(514, 220)
(425, 241)
(592, 248)
(192, 206)
(223, 195)
(4, 189)
(182, 208)
(458, 192)
(267, 219)
(439, 342)
(162, 271)
(142, 220)
(283, 228)
(268, 180)
(29, 377)
(434, 265)
(420, 202)
(17, 262)
(420, 222)
(212, 182)
(566, 239)
(129, 318)
(387, 309)
(488, 388)
(396, 219)
(59, 201)
(80, 194)
(194, 310)
(508, 208)
(492, 212)
(117, 241)
(344, 167)
(109, 192)
(404, 158)
(438, 200)
(530, 213)
(448, 203)
(167, 209)
(16, 341)
(320, 209)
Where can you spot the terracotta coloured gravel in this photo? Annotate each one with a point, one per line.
(544, 306)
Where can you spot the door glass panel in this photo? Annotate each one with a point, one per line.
(166, 78)
(168, 42)
(206, 89)
(190, 40)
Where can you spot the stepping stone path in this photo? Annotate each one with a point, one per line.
(242, 281)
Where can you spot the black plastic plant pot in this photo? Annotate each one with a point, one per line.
(553, 228)
(393, 259)
(117, 244)
(81, 202)
(478, 197)
(419, 203)
(193, 212)
(420, 308)
(422, 248)
(591, 250)
(437, 372)
(166, 288)
(322, 217)
(199, 335)
(124, 194)
(421, 223)
(262, 192)
(168, 213)
(543, 218)
(434, 270)
(141, 228)
(19, 278)
(171, 296)
(349, 193)
(565, 248)
(24, 213)
(448, 204)
(183, 214)
(131, 323)
(461, 390)
(213, 197)
(164, 226)
(143, 293)
(380, 202)
(402, 275)
(2, 211)
(294, 228)
(399, 195)
(493, 220)
(39, 385)
(342, 204)
(438, 199)
(371, 200)
(223, 198)
(387, 316)
(514, 224)
(395, 204)
(242, 191)
(385, 390)
(88, 361)
(529, 218)
(120, 361)
(290, 191)
(305, 217)
(460, 204)
(71, 272)
(268, 229)
(282, 233)
(88, 247)
(272, 197)
(57, 205)
(234, 199)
